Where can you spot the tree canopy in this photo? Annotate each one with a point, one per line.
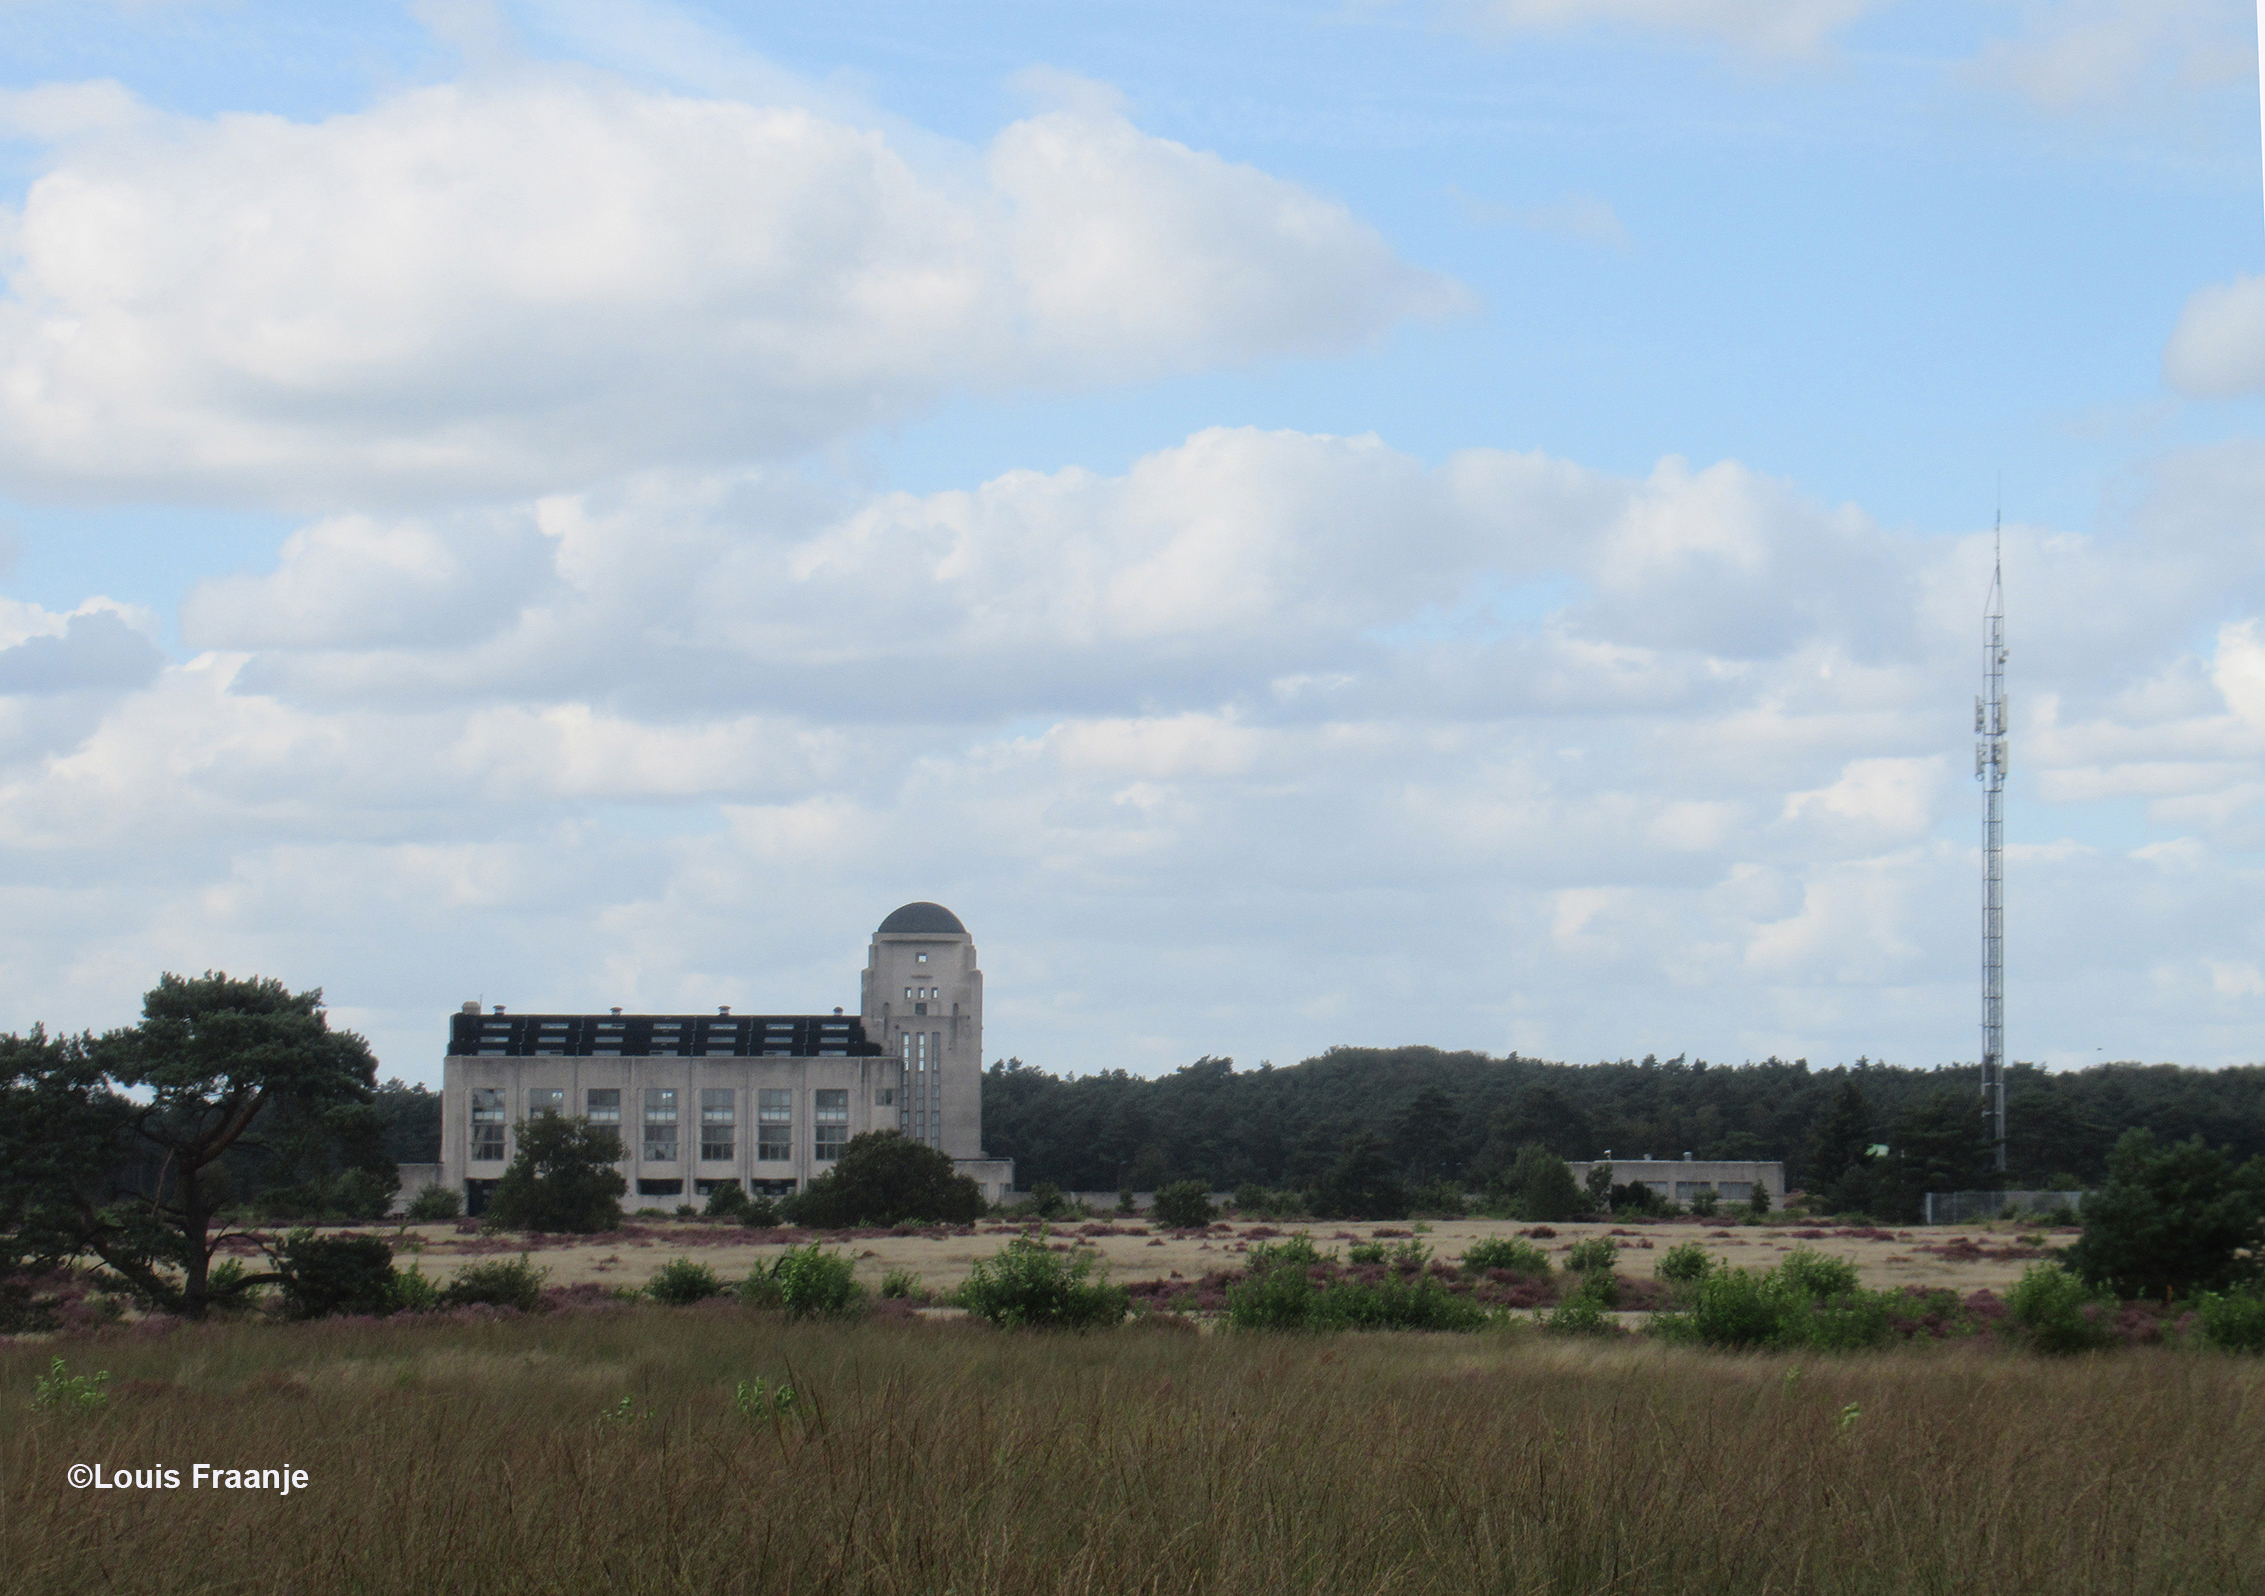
(129, 1145)
(2172, 1219)
(885, 1177)
(561, 1178)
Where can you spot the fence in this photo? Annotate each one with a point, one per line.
(1961, 1207)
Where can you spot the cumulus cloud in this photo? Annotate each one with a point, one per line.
(1772, 27)
(534, 279)
(1507, 736)
(2097, 54)
(2218, 347)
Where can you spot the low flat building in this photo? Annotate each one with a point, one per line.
(765, 1101)
(1681, 1179)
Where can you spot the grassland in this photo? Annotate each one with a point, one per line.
(604, 1450)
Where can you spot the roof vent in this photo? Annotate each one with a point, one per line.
(723, 1008)
(474, 1008)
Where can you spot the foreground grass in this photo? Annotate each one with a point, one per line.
(501, 1457)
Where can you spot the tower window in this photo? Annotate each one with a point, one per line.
(660, 1124)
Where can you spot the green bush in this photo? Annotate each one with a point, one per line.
(323, 1275)
(1366, 1252)
(435, 1204)
(1397, 1302)
(1271, 1296)
(1184, 1205)
(1685, 1264)
(808, 1282)
(2054, 1311)
(903, 1283)
(1730, 1308)
(1250, 1197)
(1029, 1286)
(882, 1178)
(1581, 1314)
(726, 1201)
(1704, 1202)
(1442, 1198)
(1596, 1255)
(2171, 1220)
(1816, 1276)
(411, 1291)
(59, 1389)
(681, 1281)
(1514, 1253)
(2234, 1321)
(1294, 1250)
(760, 1212)
(1540, 1187)
(515, 1283)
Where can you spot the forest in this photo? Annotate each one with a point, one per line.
(1461, 1117)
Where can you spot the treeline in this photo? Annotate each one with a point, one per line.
(1463, 1117)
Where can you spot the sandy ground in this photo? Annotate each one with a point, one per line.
(1964, 1258)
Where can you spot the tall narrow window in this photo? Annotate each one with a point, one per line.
(830, 1112)
(487, 1125)
(603, 1105)
(546, 1100)
(774, 1124)
(660, 1124)
(717, 1122)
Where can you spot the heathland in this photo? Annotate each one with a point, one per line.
(629, 1448)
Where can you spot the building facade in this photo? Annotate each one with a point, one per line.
(1680, 1180)
(764, 1101)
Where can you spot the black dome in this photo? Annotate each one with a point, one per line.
(932, 917)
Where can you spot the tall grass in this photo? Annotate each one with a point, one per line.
(611, 1451)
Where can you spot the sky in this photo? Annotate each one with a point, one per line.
(1363, 522)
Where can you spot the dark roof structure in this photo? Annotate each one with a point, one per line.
(659, 1035)
(932, 918)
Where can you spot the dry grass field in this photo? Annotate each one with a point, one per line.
(605, 1451)
(1134, 1251)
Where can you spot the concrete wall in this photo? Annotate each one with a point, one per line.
(414, 1179)
(1679, 1178)
(950, 1025)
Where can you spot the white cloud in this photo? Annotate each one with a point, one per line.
(534, 279)
(1773, 27)
(2093, 54)
(706, 729)
(2218, 347)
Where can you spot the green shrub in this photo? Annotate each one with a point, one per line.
(1685, 1264)
(1581, 1314)
(2171, 1220)
(2235, 1320)
(1730, 1308)
(60, 1390)
(1514, 1253)
(726, 1201)
(1029, 1286)
(1816, 1276)
(882, 1178)
(1366, 1252)
(1846, 1323)
(323, 1275)
(1704, 1202)
(1540, 1187)
(1442, 1198)
(809, 1283)
(1184, 1205)
(1250, 1197)
(2053, 1311)
(1125, 1203)
(435, 1204)
(681, 1281)
(1397, 1302)
(1596, 1255)
(903, 1283)
(1271, 1296)
(1293, 1251)
(515, 1283)
(411, 1291)
(760, 1212)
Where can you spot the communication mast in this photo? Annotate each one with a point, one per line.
(1989, 769)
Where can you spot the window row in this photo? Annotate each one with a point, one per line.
(718, 1124)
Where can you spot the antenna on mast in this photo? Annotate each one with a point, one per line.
(1989, 769)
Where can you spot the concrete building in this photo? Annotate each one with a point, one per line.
(1680, 1180)
(765, 1100)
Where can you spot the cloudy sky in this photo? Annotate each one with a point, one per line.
(1306, 522)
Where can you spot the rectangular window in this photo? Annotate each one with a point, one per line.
(1734, 1191)
(830, 1113)
(718, 1119)
(603, 1105)
(661, 1188)
(660, 1124)
(546, 1100)
(885, 1096)
(487, 1125)
(774, 1124)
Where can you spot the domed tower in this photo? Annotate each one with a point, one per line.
(923, 1002)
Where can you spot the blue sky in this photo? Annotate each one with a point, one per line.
(1377, 522)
